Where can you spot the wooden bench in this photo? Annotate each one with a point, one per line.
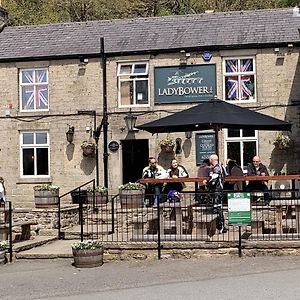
(204, 221)
(143, 224)
(25, 229)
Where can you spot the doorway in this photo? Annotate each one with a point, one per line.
(135, 155)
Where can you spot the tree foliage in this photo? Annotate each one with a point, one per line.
(26, 12)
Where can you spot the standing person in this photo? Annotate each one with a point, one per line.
(2, 190)
(256, 168)
(215, 186)
(153, 170)
(175, 171)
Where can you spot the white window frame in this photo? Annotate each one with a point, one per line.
(241, 140)
(139, 77)
(34, 84)
(35, 146)
(239, 74)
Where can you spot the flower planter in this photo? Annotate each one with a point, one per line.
(88, 258)
(2, 257)
(76, 196)
(46, 199)
(167, 149)
(280, 146)
(88, 151)
(132, 198)
(100, 198)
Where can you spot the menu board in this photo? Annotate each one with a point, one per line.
(205, 146)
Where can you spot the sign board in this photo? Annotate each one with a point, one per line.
(205, 146)
(239, 208)
(113, 146)
(184, 83)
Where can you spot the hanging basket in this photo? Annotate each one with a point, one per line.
(167, 149)
(280, 146)
(88, 151)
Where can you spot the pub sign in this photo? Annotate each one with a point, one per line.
(185, 83)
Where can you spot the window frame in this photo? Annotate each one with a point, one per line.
(241, 139)
(144, 76)
(34, 146)
(239, 74)
(34, 84)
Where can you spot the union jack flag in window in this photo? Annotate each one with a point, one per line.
(34, 89)
(239, 79)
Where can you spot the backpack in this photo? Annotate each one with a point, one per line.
(173, 196)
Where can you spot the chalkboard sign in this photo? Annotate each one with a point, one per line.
(205, 146)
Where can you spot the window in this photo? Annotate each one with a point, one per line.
(239, 79)
(34, 90)
(133, 84)
(34, 154)
(241, 145)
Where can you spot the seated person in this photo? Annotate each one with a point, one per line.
(175, 171)
(153, 170)
(235, 170)
(256, 168)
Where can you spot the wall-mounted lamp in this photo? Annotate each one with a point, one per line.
(83, 61)
(188, 134)
(130, 120)
(70, 134)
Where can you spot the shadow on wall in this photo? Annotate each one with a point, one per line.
(186, 147)
(88, 164)
(164, 159)
(278, 160)
(70, 151)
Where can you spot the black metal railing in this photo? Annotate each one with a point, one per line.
(6, 225)
(192, 218)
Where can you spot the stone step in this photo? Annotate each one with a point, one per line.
(35, 242)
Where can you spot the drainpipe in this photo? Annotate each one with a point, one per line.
(105, 116)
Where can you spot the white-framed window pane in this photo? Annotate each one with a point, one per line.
(28, 161)
(241, 145)
(141, 91)
(35, 154)
(140, 68)
(34, 89)
(28, 138)
(42, 161)
(133, 84)
(126, 92)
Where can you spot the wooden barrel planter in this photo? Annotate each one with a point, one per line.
(132, 198)
(46, 199)
(88, 258)
(100, 198)
(2, 257)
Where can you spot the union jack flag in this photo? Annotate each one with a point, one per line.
(239, 87)
(35, 93)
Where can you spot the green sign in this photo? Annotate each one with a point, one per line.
(184, 83)
(205, 146)
(239, 208)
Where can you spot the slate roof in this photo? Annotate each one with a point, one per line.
(208, 31)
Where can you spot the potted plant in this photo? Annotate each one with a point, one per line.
(282, 141)
(46, 195)
(87, 254)
(88, 147)
(167, 145)
(132, 195)
(3, 248)
(100, 194)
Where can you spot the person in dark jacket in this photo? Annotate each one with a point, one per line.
(256, 168)
(235, 170)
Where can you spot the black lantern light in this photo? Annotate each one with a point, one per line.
(70, 134)
(130, 120)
